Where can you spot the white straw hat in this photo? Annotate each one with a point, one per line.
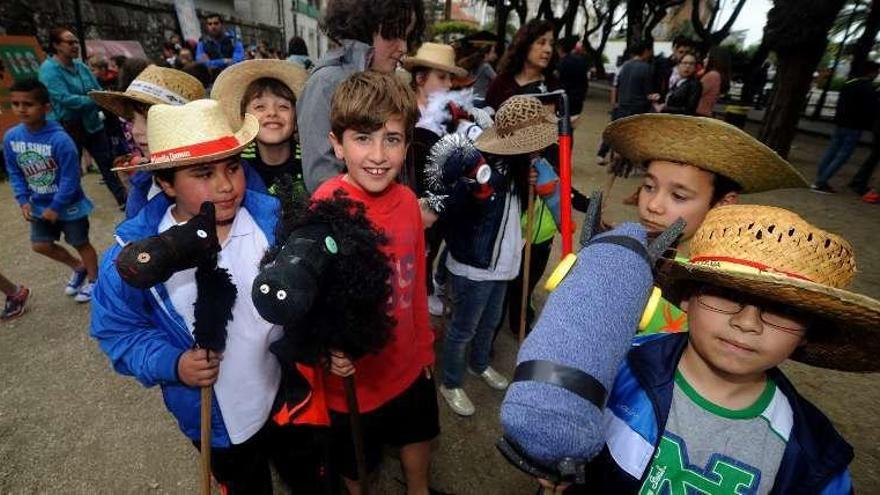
(152, 86)
(435, 56)
(197, 132)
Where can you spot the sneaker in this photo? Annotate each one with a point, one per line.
(492, 378)
(822, 188)
(84, 294)
(871, 196)
(77, 278)
(15, 304)
(601, 160)
(436, 306)
(457, 400)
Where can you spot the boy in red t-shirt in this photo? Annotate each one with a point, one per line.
(372, 119)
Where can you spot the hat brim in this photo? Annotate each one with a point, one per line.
(245, 135)
(411, 62)
(526, 140)
(706, 143)
(119, 102)
(846, 340)
(231, 84)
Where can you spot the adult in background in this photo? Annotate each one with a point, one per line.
(573, 69)
(715, 80)
(860, 181)
(372, 35)
(632, 90)
(298, 52)
(218, 49)
(527, 65)
(857, 107)
(666, 73)
(69, 81)
(684, 95)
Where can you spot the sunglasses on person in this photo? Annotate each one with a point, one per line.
(731, 302)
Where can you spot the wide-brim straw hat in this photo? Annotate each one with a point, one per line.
(522, 125)
(197, 132)
(154, 85)
(435, 56)
(231, 84)
(709, 144)
(776, 255)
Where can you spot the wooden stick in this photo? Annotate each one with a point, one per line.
(357, 433)
(526, 267)
(207, 393)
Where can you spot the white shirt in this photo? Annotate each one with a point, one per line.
(249, 373)
(506, 252)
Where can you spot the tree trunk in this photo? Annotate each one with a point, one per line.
(751, 80)
(794, 75)
(502, 13)
(797, 30)
(863, 46)
(635, 22)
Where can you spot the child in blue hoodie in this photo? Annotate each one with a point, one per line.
(43, 167)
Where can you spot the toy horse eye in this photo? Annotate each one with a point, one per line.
(143, 257)
(330, 244)
(281, 295)
(264, 288)
(201, 233)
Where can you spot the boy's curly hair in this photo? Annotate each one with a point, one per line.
(350, 314)
(361, 19)
(366, 100)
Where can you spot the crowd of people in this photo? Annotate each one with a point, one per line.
(253, 135)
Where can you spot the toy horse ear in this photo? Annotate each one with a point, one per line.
(665, 240)
(208, 211)
(593, 218)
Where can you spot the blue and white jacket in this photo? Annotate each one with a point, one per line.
(814, 462)
(140, 331)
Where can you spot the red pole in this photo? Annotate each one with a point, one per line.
(565, 175)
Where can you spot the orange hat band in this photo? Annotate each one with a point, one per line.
(195, 150)
(742, 266)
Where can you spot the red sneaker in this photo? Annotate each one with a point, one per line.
(15, 304)
(871, 196)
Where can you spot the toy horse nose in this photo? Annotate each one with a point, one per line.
(278, 303)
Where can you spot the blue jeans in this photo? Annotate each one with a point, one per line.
(478, 309)
(843, 144)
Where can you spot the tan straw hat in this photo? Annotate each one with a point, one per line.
(522, 125)
(435, 56)
(153, 85)
(706, 143)
(774, 254)
(197, 132)
(231, 84)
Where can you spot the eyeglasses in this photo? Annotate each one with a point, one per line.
(730, 302)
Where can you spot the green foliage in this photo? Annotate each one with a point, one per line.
(453, 27)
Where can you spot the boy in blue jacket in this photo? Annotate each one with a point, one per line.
(148, 333)
(43, 167)
(709, 410)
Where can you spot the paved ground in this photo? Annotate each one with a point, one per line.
(68, 424)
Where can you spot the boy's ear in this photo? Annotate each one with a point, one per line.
(167, 187)
(730, 198)
(685, 303)
(337, 146)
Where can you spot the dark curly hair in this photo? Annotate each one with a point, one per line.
(514, 58)
(361, 19)
(350, 314)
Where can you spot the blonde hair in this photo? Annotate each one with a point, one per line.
(366, 100)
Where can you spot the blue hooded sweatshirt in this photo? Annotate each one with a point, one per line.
(43, 168)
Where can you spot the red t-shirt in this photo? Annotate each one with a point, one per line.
(382, 377)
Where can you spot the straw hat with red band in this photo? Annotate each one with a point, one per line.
(435, 56)
(233, 82)
(152, 86)
(197, 132)
(774, 254)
